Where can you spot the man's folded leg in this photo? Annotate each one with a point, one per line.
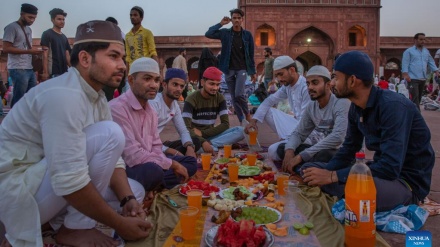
(189, 162)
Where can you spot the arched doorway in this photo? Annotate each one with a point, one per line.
(312, 46)
(393, 65)
(193, 69)
(308, 60)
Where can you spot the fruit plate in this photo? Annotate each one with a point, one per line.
(243, 155)
(248, 171)
(203, 196)
(210, 236)
(270, 211)
(221, 161)
(225, 192)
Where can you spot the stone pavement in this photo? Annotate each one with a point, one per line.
(267, 137)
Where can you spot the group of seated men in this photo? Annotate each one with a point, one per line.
(61, 145)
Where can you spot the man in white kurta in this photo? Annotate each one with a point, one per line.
(59, 150)
(294, 89)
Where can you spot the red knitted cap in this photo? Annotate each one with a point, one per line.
(213, 73)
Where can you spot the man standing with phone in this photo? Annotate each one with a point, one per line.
(236, 60)
(17, 42)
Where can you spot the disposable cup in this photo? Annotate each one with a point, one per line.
(206, 161)
(188, 217)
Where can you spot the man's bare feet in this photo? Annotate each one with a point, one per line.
(83, 237)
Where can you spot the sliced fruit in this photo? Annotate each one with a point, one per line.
(297, 226)
(309, 225)
(304, 231)
(281, 232)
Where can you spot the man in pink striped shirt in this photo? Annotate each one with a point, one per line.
(146, 163)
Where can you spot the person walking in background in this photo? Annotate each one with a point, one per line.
(236, 60)
(139, 41)
(56, 47)
(383, 83)
(207, 59)
(17, 42)
(415, 62)
(268, 68)
(180, 61)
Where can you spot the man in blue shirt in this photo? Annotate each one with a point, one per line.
(403, 159)
(236, 60)
(415, 61)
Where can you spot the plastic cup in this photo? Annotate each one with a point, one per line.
(253, 136)
(188, 218)
(252, 159)
(280, 181)
(195, 198)
(233, 172)
(227, 149)
(206, 161)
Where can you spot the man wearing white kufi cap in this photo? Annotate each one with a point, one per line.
(143, 155)
(326, 114)
(294, 89)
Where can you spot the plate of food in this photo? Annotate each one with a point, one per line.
(227, 234)
(261, 215)
(222, 160)
(243, 155)
(248, 171)
(199, 185)
(240, 193)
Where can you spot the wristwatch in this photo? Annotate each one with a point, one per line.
(126, 199)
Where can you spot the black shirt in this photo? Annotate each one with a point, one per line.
(58, 45)
(237, 60)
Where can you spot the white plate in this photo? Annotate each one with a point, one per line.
(210, 236)
(259, 195)
(268, 208)
(203, 196)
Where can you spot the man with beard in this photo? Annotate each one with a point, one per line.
(180, 62)
(60, 153)
(139, 41)
(294, 89)
(403, 159)
(268, 67)
(168, 110)
(56, 55)
(17, 43)
(236, 60)
(415, 62)
(146, 163)
(326, 114)
(201, 110)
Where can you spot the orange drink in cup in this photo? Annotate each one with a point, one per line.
(195, 198)
(280, 181)
(253, 136)
(233, 172)
(188, 218)
(252, 159)
(206, 161)
(227, 149)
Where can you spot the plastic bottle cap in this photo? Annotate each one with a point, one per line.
(360, 155)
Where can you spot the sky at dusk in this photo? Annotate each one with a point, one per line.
(194, 17)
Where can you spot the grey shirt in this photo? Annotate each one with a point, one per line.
(14, 35)
(330, 122)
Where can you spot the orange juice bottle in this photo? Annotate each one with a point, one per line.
(360, 205)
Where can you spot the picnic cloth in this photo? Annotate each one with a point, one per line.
(317, 207)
